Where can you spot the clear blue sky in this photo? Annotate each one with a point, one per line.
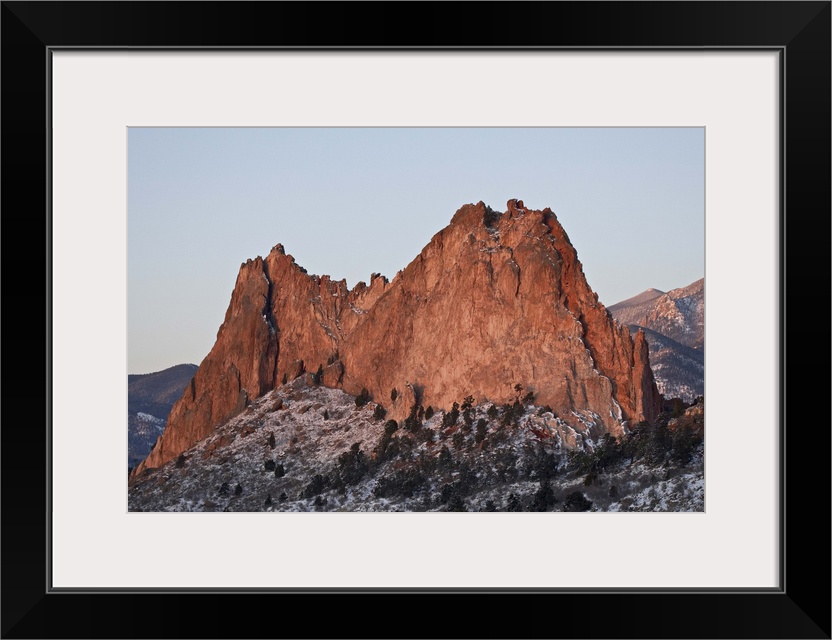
(350, 202)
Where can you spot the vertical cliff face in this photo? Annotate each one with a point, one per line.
(241, 365)
(494, 300)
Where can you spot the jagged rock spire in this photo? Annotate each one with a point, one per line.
(494, 300)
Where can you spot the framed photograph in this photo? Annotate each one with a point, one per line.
(88, 86)
(477, 377)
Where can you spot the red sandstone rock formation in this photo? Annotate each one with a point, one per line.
(494, 300)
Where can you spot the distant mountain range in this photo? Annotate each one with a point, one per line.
(674, 326)
(150, 397)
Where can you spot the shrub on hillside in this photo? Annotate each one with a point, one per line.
(450, 418)
(576, 501)
(362, 398)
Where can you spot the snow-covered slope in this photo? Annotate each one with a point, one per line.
(304, 447)
(679, 370)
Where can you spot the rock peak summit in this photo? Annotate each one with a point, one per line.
(494, 300)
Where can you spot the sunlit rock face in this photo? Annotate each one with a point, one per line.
(495, 300)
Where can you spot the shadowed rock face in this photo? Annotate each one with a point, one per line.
(494, 300)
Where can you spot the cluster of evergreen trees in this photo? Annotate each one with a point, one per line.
(451, 478)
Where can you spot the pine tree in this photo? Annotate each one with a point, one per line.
(576, 501)
(362, 398)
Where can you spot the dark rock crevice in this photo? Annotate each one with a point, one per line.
(274, 329)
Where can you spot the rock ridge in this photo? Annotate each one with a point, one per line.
(494, 300)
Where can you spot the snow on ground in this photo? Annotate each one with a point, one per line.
(305, 430)
(146, 417)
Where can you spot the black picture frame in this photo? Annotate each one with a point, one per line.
(799, 31)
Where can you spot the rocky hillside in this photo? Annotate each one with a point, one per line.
(495, 300)
(679, 370)
(674, 327)
(305, 447)
(678, 314)
(150, 398)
